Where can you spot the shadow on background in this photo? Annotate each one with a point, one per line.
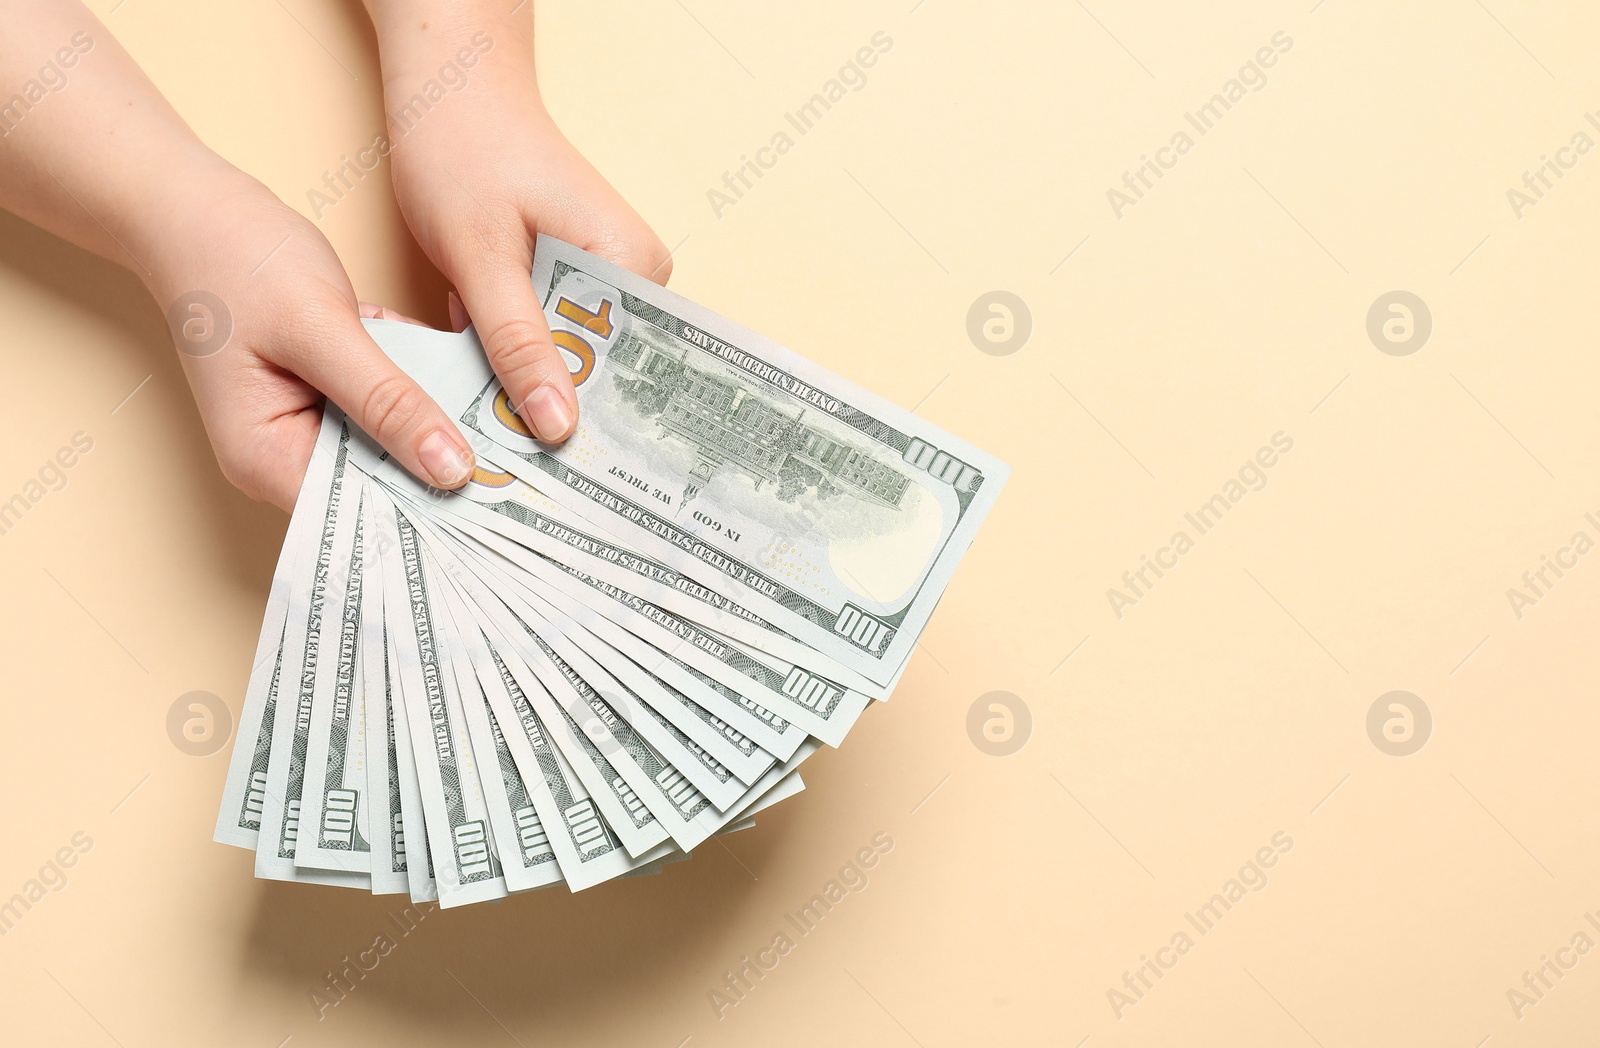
(536, 962)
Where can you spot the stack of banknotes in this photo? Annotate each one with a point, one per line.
(594, 656)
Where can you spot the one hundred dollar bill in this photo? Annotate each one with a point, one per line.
(499, 502)
(586, 848)
(607, 749)
(386, 831)
(831, 513)
(317, 611)
(336, 832)
(579, 651)
(736, 688)
(244, 794)
(466, 866)
(527, 860)
(408, 835)
(616, 631)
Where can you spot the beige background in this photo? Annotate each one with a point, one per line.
(1167, 746)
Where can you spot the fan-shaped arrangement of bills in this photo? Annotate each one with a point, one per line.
(594, 656)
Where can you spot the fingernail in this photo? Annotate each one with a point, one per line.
(370, 311)
(446, 468)
(388, 314)
(547, 412)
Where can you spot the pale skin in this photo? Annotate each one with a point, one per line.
(105, 163)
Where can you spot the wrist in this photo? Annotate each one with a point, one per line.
(188, 234)
(421, 41)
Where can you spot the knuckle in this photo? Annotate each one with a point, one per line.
(639, 251)
(391, 407)
(522, 353)
(494, 239)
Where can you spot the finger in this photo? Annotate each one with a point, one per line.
(374, 312)
(500, 299)
(643, 254)
(283, 454)
(268, 461)
(458, 314)
(387, 404)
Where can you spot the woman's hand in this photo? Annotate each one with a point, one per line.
(266, 323)
(480, 171)
(260, 307)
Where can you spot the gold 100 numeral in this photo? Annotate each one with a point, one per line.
(597, 321)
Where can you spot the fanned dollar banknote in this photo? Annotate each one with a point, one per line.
(594, 656)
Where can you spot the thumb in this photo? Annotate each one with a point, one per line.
(500, 298)
(388, 405)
